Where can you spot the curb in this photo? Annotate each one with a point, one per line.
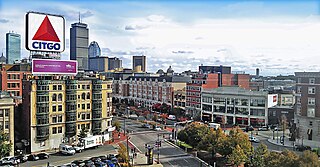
(279, 144)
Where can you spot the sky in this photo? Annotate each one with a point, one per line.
(278, 37)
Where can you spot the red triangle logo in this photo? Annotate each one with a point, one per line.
(46, 32)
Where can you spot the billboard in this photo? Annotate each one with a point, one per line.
(272, 100)
(51, 66)
(45, 32)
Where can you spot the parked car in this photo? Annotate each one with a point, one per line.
(78, 163)
(264, 128)
(95, 159)
(10, 161)
(100, 164)
(157, 128)
(253, 139)
(33, 157)
(89, 163)
(110, 163)
(22, 158)
(249, 128)
(302, 148)
(146, 126)
(43, 155)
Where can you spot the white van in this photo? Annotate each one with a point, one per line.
(172, 117)
(66, 149)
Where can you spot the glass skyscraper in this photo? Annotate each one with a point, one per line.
(13, 47)
(94, 49)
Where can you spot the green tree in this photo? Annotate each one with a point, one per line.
(117, 125)
(289, 158)
(308, 159)
(213, 141)
(237, 157)
(273, 159)
(5, 145)
(259, 156)
(83, 133)
(194, 132)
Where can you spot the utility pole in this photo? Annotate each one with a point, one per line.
(158, 145)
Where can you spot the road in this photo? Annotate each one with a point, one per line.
(58, 159)
(170, 156)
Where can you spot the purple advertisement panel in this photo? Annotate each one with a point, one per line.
(50, 66)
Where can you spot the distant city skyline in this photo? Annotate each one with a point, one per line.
(278, 37)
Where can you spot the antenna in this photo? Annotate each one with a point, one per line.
(79, 18)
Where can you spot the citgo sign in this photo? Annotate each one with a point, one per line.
(45, 32)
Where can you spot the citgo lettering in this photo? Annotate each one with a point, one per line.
(46, 45)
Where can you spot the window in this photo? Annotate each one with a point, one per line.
(54, 130)
(54, 108)
(1, 113)
(54, 119)
(83, 116)
(6, 125)
(88, 106)
(78, 96)
(311, 90)
(54, 97)
(78, 106)
(88, 86)
(59, 129)
(83, 96)
(299, 80)
(59, 107)
(6, 111)
(54, 87)
(60, 97)
(78, 126)
(83, 86)
(298, 89)
(78, 86)
(83, 106)
(88, 95)
(311, 101)
(60, 118)
(310, 112)
(83, 126)
(310, 123)
(311, 80)
(59, 87)
(88, 116)
(88, 126)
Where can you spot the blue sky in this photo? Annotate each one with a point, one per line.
(279, 37)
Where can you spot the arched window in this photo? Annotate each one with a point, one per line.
(88, 95)
(83, 96)
(60, 97)
(54, 97)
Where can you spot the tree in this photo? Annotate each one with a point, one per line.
(123, 154)
(83, 133)
(236, 137)
(117, 125)
(237, 157)
(213, 141)
(286, 158)
(259, 156)
(5, 145)
(308, 159)
(193, 134)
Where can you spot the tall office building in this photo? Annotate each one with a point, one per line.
(79, 41)
(139, 61)
(94, 49)
(114, 63)
(13, 47)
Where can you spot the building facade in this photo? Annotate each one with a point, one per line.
(277, 114)
(307, 108)
(215, 69)
(98, 64)
(147, 91)
(11, 77)
(13, 47)
(234, 105)
(94, 49)
(79, 41)
(7, 117)
(179, 98)
(139, 61)
(207, 81)
(56, 109)
(114, 63)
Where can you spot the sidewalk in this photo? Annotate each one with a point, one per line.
(141, 161)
